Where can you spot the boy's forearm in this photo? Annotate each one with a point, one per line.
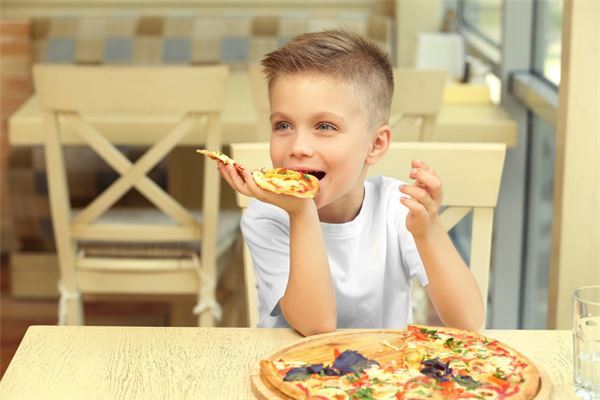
(452, 287)
(309, 300)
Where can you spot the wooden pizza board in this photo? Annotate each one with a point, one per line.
(320, 349)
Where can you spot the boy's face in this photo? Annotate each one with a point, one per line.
(318, 126)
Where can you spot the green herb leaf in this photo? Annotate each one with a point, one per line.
(467, 381)
(500, 375)
(363, 394)
(430, 332)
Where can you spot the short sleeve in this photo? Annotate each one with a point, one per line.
(266, 231)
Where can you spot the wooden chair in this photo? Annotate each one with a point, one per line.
(418, 96)
(471, 174)
(260, 96)
(107, 250)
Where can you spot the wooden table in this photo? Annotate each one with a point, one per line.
(61, 362)
(456, 122)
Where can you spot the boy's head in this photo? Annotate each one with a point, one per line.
(330, 95)
(343, 56)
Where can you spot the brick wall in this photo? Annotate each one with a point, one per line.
(15, 88)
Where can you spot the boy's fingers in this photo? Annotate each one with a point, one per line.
(225, 174)
(431, 182)
(417, 164)
(414, 206)
(236, 178)
(421, 195)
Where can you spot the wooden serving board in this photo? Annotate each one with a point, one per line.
(320, 349)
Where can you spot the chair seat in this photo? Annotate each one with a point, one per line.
(229, 221)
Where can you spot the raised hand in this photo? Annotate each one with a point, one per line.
(241, 181)
(424, 199)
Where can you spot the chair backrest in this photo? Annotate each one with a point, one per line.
(470, 172)
(260, 96)
(67, 92)
(418, 94)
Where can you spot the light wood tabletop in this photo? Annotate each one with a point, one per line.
(64, 362)
(458, 121)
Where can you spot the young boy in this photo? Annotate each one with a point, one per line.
(345, 259)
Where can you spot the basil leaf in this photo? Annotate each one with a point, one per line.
(467, 381)
(303, 373)
(352, 361)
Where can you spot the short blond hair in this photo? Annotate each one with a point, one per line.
(342, 55)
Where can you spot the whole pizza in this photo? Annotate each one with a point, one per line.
(278, 180)
(421, 363)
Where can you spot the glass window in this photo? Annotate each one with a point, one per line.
(540, 190)
(483, 17)
(547, 46)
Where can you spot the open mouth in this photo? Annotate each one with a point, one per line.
(317, 174)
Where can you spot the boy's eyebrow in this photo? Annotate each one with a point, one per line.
(277, 115)
(320, 115)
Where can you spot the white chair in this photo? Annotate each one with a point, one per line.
(466, 191)
(106, 250)
(260, 96)
(418, 97)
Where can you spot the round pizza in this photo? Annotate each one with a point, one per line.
(420, 363)
(278, 180)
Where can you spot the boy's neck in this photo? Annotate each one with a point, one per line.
(345, 209)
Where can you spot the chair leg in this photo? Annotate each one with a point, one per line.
(70, 306)
(206, 319)
(75, 314)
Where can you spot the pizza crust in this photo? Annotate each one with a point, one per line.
(269, 373)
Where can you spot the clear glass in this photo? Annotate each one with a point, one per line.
(484, 17)
(547, 39)
(586, 342)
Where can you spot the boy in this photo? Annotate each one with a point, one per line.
(345, 259)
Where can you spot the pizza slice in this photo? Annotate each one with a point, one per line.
(218, 156)
(278, 180)
(287, 181)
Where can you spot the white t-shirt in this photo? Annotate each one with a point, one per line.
(372, 260)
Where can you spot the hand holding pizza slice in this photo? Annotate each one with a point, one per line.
(277, 180)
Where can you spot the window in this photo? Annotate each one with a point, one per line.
(547, 45)
(540, 189)
(483, 17)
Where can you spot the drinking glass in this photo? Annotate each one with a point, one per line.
(586, 342)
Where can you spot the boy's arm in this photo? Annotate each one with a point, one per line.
(308, 303)
(452, 287)
(309, 300)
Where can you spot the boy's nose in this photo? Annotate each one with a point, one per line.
(301, 147)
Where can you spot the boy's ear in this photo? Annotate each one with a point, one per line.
(379, 145)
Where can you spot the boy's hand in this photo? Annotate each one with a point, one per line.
(242, 181)
(425, 199)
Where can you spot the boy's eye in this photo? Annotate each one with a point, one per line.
(281, 126)
(324, 126)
